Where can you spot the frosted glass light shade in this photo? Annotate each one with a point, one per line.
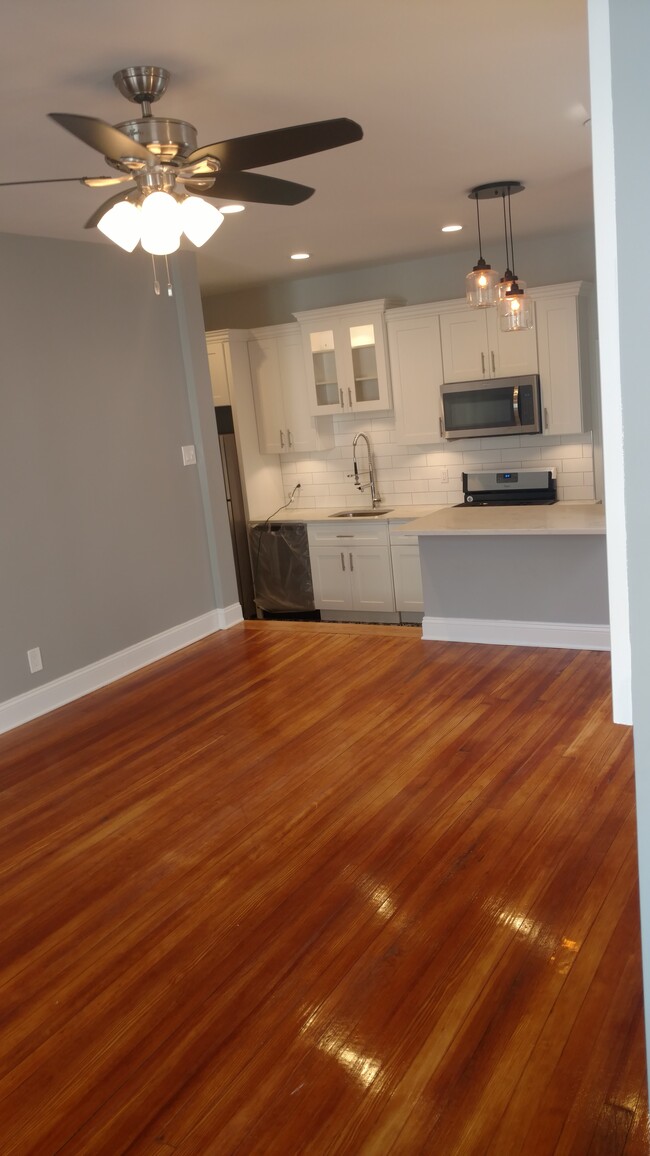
(160, 224)
(200, 220)
(515, 310)
(121, 224)
(481, 285)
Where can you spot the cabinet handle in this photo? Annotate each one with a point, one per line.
(341, 393)
(290, 439)
(442, 432)
(351, 562)
(545, 418)
(494, 368)
(281, 440)
(350, 396)
(483, 363)
(342, 561)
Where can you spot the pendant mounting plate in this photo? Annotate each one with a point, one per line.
(495, 189)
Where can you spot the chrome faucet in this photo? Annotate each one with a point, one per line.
(371, 476)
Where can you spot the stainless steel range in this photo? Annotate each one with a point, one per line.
(509, 487)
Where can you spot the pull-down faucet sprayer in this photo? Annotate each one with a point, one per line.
(370, 472)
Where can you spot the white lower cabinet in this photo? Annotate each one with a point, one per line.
(351, 567)
(407, 576)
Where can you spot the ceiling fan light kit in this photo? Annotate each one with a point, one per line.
(507, 293)
(167, 176)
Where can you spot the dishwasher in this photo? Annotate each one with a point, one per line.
(282, 570)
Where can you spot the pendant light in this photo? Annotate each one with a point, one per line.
(481, 283)
(514, 306)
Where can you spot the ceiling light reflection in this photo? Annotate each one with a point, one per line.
(335, 1043)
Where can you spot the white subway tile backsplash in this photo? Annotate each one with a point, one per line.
(412, 475)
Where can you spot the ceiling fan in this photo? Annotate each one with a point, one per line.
(158, 155)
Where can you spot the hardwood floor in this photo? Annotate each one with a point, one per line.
(300, 889)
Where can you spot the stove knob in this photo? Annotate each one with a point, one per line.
(469, 498)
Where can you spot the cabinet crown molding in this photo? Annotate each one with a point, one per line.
(361, 307)
(428, 308)
(215, 336)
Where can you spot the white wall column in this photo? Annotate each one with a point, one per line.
(619, 43)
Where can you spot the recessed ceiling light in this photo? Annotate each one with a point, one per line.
(232, 208)
(448, 228)
(300, 256)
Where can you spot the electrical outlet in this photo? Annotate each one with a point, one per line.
(34, 659)
(444, 474)
(189, 455)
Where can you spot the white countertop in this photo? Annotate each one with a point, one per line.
(561, 518)
(313, 514)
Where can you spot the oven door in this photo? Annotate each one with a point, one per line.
(509, 405)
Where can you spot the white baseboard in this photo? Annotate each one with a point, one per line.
(565, 635)
(60, 691)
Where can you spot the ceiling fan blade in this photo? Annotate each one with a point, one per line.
(250, 187)
(91, 182)
(101, 136)
(280, 144)
(93, 221)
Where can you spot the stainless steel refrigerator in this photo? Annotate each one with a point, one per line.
(236, 509)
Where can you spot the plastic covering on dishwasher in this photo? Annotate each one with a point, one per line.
(281, 567)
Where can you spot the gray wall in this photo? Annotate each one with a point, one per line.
(103, 529)
(540, 261)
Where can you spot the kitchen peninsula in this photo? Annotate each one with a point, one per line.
(526, 575)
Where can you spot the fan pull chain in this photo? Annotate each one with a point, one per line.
(170, 291)
(156, 282)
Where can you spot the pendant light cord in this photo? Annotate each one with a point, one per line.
(478, 225)
(505, 233)
(512, 244)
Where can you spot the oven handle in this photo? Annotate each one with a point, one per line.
(515, 405)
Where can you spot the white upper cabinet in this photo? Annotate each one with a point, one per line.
(473, 346)
(219, 370)
(345, 358)
(282, 406)
(565, 325)
(416, 372)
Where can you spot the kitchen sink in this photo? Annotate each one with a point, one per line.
(373, 512)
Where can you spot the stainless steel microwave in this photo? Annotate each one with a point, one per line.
(491, 408)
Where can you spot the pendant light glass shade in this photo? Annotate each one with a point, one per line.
(481, 285)
(515, 309)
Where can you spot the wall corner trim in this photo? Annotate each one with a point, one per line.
(564, 635)
(34, 703)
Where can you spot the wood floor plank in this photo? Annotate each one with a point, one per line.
(309, 888)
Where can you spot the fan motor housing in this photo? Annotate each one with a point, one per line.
(169, 139)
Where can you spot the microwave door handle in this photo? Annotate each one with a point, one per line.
(515, 405)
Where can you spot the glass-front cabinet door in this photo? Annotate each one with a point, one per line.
(346, 359)
(327, 391)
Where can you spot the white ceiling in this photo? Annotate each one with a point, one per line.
(450, 94)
